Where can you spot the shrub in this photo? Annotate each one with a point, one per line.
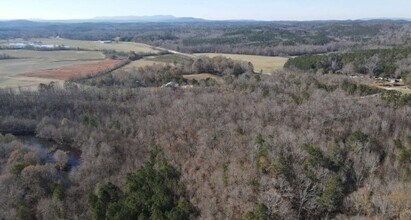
(262, 161)
(225, 174)
(282, 166)
(260, 212)
(332, 197)
(398, 144)
(316, 157)
(17, 168)
(357, 141)
(259, 140)
(57, 190)
(404, 156)
(335, 157)
(25, 211)
(349, 87)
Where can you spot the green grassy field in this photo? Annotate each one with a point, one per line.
(30, 61)
(261, 63)
(94, 45)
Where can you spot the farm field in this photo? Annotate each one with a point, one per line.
(265, 64)
(95, 45)
(80, 70)
(33, 61)
(137, 64)
(169, 58)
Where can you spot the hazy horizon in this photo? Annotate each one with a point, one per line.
(213, 10)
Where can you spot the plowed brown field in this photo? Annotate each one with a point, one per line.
(68, 72)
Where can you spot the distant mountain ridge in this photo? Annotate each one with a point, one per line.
(156, 18)
(168, 19)
(129, 19)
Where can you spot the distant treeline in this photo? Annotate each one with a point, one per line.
(379, 62)
(261, 38)
(5, 56)
(158, 75)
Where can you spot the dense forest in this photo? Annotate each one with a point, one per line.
(260, 38)
(285, 146)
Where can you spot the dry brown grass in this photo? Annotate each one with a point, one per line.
(75, 70)
(265, 64)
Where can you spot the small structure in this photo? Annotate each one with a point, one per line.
(105, 41)
(39, 45)
(187, 87)
(170, 85)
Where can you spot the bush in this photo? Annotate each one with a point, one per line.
(24, 211)
(282, 166)
(357, 141)
(332, 197)
(262, 161)
(259, 213)
(335, 157)
(404, 156)
(316, 157)
(17, 168)
(57, 190)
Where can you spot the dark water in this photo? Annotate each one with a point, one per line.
(46, 149)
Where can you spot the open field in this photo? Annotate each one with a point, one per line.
(80, 70)
(30, 83)
(265, 64)
(95, 45)
(33, 61)
(169, 58)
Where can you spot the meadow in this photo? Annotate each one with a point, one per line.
(263, 64)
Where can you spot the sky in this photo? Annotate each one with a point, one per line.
(208, 9)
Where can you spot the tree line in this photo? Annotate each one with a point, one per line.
(394, 63)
